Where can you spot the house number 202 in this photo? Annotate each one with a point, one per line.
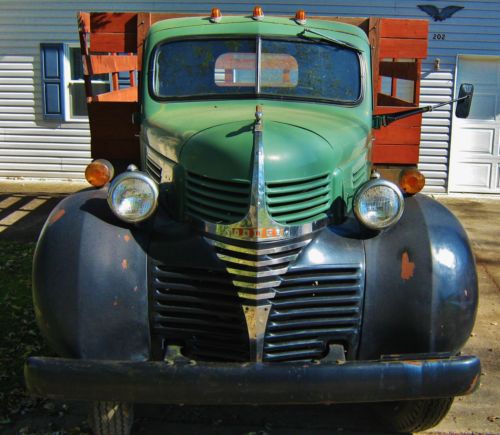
(439, 36)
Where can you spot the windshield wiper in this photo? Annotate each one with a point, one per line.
(328, 38)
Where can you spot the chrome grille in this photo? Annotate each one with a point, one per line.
(200, 311)
(311, 309)
(216, 200)
(254, 268)
(293, 202)
(153, 170)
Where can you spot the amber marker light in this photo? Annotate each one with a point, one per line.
(99, 172)
(215, 15)
(258, 13)
(300, 17)
(411, 181)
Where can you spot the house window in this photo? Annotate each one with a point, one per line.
(63, 86)
(76, 102)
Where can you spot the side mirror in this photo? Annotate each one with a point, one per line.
(464, 100)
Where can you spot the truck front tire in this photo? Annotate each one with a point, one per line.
(413, 415)
(111, 418)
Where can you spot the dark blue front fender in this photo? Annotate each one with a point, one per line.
(90, 282)
(421, 285)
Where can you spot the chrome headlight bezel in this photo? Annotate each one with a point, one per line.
(360, 196)
(131, 175)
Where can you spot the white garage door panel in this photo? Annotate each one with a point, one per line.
(474, 174)
(477, 141)
(475, 150)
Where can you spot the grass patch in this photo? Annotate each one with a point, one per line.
(19, 337)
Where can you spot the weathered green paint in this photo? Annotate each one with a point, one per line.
(301, 139)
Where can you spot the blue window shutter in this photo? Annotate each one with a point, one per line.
(52, 68)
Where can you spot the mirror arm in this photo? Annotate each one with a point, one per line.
(388, 118)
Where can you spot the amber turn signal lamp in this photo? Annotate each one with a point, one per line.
(411, 181)
(99, 172)
(258, 13)
(300, 16)
(215, 15)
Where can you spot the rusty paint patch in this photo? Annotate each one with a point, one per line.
(407, 267)
(56, 216)
(124, 264)
(126, 237)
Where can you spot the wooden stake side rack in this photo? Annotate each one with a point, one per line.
(112, 43)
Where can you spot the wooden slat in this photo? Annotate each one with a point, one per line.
(143, 25)
(374, 38)
(103, 64)
(400, 70)
(398, 154)
(403, 48)
(109, 22)
(83, 31)
(388, 100)
(113, 43)
(125, 95)
(404, 29)
(397, 134)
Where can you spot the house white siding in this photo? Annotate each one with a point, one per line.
(32, 147)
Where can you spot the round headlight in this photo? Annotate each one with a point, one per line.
(133, 196)
(378, 204)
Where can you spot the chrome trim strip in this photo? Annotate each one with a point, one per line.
(257, 285)
(271, 262)
(256, 318)
(255, 297)
(257, 273)
(263, 251)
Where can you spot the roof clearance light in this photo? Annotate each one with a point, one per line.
(215, 15)
(300, 17)
(99, 172)
(258, 13)
(411, 181)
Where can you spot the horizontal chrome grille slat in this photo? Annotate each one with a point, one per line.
(313, 308)
(298, 201)
(199, 310)
(312, 312)
(341, 332)
(216, 200)
(257, 263)
(260, 251)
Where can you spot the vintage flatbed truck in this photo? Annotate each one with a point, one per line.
(255, 257)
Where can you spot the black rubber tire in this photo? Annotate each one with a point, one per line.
(413, 415)
(111, 418)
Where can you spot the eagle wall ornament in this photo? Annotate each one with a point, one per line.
(439, 14)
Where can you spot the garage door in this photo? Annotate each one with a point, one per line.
(475, 141)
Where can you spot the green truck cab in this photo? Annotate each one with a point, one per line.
(255, 257)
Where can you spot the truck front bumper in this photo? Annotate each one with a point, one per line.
(251, 383)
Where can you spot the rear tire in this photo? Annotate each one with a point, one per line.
(111, 418)
(413, 415)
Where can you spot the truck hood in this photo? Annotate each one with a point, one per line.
(216, 139)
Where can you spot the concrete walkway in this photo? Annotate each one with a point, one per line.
(24, 208)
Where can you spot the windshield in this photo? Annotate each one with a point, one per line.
(248, 67)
